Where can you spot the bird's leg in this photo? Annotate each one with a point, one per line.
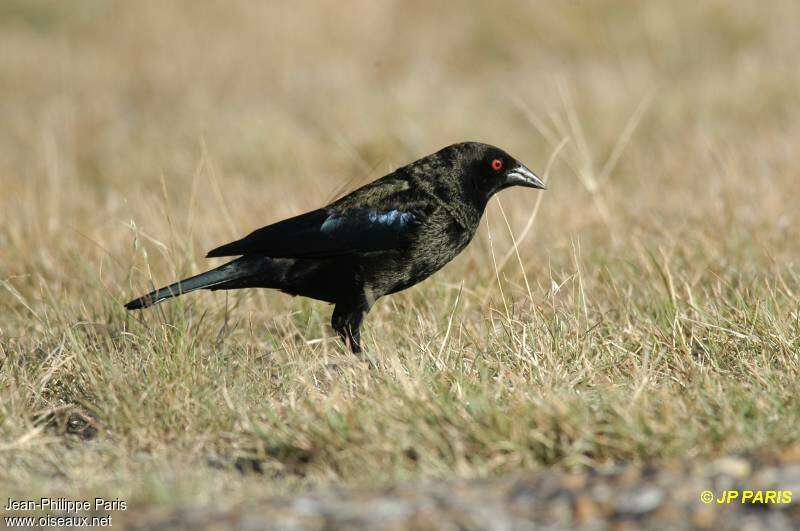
(353, 340)
(346, 320)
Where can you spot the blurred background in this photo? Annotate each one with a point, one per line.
(214, 118)
(651, 312)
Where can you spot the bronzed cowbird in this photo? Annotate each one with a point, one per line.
(382, 238)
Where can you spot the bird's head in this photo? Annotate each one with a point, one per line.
(487, 169)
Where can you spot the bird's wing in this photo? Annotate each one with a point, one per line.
(327, 232)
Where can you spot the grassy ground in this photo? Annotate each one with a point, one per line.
(650, 309)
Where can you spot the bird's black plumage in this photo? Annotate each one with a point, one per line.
(380, 239)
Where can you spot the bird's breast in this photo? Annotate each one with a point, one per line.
(435, 244)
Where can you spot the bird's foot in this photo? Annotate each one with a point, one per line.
(361, 353)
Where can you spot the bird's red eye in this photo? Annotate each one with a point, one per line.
(497, 164)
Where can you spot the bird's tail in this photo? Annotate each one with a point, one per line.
(231, 271)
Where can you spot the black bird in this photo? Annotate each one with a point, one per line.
(382, 238)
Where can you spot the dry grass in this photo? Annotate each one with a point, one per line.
(651, 311)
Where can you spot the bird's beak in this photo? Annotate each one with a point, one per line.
(522, 176)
